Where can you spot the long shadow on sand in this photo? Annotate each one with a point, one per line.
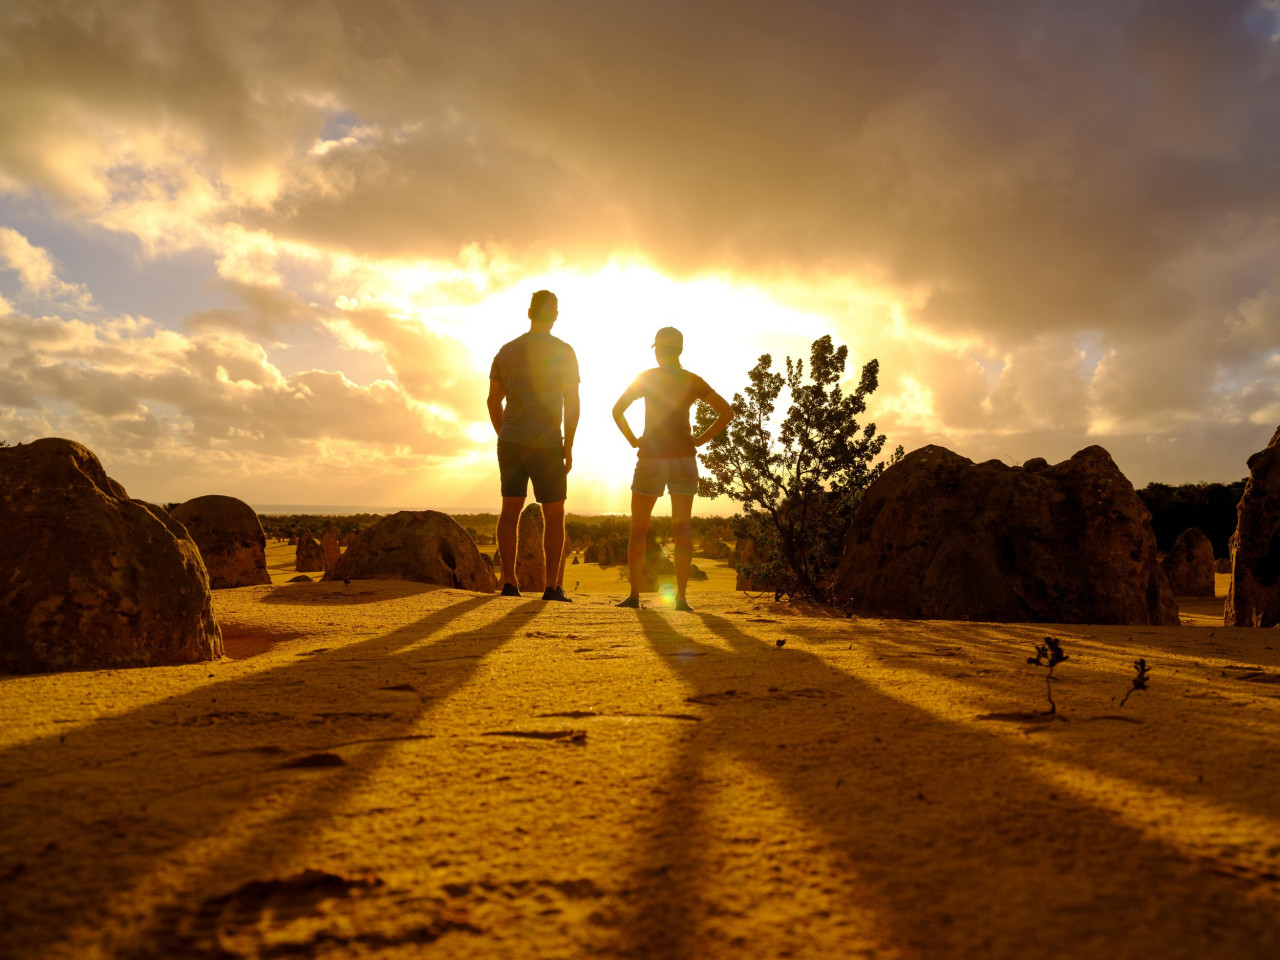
(956, 848)
(1204, 770)
(247, 746)
(340, 593)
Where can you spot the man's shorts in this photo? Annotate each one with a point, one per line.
(655, 475)
(518, 464)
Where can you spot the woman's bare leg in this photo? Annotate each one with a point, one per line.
(641, 509)
(682, 533)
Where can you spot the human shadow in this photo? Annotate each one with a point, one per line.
(340, 593)
(274, 733)
(960, 849)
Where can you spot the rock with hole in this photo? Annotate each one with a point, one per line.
(90, 578)
(425, 546)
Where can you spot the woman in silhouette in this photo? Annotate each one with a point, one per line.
(667, 458)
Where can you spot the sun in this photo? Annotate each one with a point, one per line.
(609, 316)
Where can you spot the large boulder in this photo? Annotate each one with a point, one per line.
(90, 578)
(940, 537)
(309, 557)
(1189, 564)
(1253, 599)
(230, 538)
(421, 545)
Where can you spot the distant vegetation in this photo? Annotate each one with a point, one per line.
(286, 525)
(1209, 506)
(818, 535)
(480, 526)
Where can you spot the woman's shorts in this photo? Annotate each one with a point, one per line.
(655, 475)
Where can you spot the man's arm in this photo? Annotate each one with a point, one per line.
(572, 408)
(724, 413)
(619, 414)
(496, 394)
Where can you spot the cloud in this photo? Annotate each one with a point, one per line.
(36, 270)
(1069, 209)
(131, 387)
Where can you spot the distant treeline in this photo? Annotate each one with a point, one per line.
(481, 525)
(1209, 506)
(286, 525)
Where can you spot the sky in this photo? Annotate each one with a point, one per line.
(268, 249)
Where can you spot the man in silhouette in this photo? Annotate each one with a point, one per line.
(537, 375)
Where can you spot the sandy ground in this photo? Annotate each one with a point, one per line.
(387, 769)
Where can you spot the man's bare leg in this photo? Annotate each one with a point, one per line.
(553, 539)
(508, 523)
(682, 533)
(641, 509)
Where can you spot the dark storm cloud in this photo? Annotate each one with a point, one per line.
(1039, 165)
(1031, 172)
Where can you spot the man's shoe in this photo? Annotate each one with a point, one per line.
(555, 593)
(631, 603)
(510, 590)
(684, 605)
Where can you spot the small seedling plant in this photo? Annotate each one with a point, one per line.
(1048, 655)
(1139, 681)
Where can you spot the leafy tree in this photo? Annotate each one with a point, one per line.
(800, 488)
(4, 443)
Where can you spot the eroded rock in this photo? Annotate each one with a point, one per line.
(1189, 564)
(940, 537)
(745, 556)
(230, 538)
(330, 546)
(425, 546)
(310, 555)
(531, 565)
(90, 578)
(712, 549)
(1254, 596)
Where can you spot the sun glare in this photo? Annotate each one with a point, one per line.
(609, 316)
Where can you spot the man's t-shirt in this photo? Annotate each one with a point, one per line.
(668, 394)
(534, 369)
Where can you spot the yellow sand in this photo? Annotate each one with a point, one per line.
(387, 769)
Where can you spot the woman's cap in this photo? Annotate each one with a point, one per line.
(669, 338)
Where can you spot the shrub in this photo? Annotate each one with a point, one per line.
(800, 488)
